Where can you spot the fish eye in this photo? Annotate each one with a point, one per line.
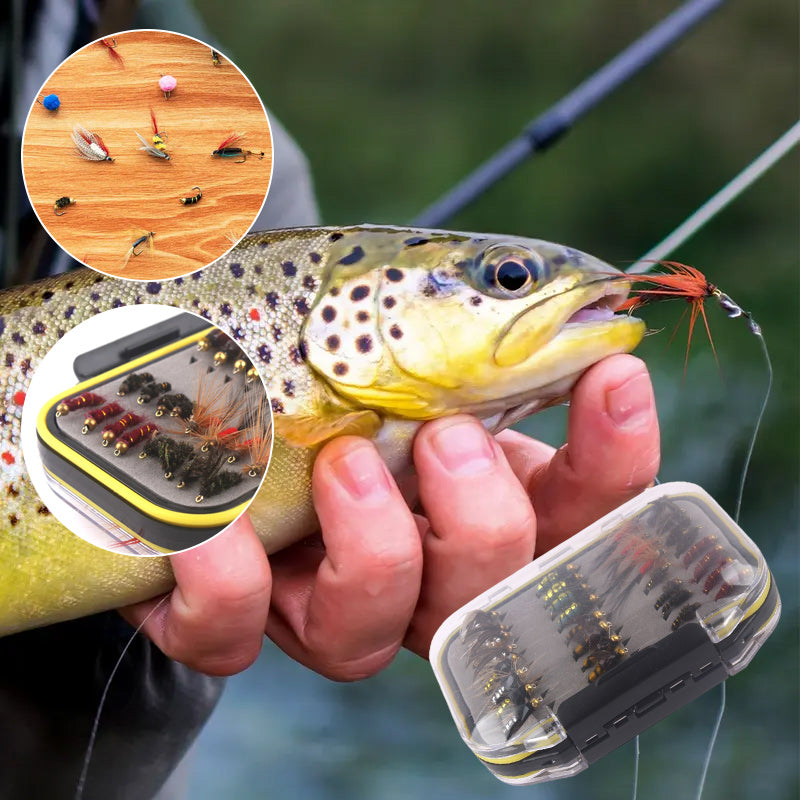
(509, 271)
(512, 274)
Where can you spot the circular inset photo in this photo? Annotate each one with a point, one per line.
(147, 155)
(152, 443)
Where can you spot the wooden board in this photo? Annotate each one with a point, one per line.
(121, 201)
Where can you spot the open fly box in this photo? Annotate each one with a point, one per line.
(164, 441)
(605, 635)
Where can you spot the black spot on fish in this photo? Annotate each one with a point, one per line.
(99, 279)
(334, 291)
(272, 298)
(12, 490)
(394, 274)
(333, 342)
(117, 303)
(289, 269)
(362, 316)
(277, 333)
(288, 388)
(25, 366)
(69, 284)
(416, 240)
(70, 310)
(340, 368)
(359, 293)
(250, 289)
(334, 237)
(153, 287)
(197, 275)
(13, 519)
(258, 269)
(17, 338)
(310, 282)
(264, 353)
(195, 302)
(179, 281)
(237, 270)
(389, 302)
(46, 295)
(476, 299)
(558, 259)
(353, 257)
(206, 314)
(396, 332)
(95, 296)
(226, 309)
(329, 313)
(38, 328)
(237, 333)
(9, 360)
(301, 306)
(277, 406)
(364, 344)
(295, 356)
(262, 245)
(315, 258)
(303, 349)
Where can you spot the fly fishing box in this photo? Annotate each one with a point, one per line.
(155, 446)
(605, 635)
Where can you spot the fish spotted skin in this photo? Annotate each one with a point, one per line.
(366, 330)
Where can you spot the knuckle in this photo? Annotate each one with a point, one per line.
(360, 668)
(223, 664)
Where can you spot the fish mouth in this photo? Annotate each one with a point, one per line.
(603, 308)
(565, 316)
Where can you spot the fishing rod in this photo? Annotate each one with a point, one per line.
(550, 126)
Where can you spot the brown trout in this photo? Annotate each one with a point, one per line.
(362, 330)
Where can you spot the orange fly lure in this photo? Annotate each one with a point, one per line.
(692, 285)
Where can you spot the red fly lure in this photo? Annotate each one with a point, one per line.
(692, 285)
(111, 45)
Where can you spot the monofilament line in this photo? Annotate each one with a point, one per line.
(681, 234)
(95, 724)
(722, 198)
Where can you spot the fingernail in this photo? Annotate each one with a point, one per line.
(463, 448)
(362, 473)
(630, 405)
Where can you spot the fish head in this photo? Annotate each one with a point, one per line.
(421, 324)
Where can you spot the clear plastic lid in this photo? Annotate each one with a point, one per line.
(507, 660)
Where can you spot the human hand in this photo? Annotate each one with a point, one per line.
(387, 577)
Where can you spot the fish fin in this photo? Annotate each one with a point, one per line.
(308, 430)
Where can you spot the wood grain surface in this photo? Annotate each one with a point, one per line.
(119, 202)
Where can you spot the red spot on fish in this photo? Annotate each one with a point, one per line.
(19, 398)
(8, 457)
(254, 315)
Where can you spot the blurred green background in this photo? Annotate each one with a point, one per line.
(393, 102)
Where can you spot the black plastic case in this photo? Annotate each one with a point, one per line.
(605, 635)
(125, 497)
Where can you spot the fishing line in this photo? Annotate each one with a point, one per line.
(681, 234)
(96, 722)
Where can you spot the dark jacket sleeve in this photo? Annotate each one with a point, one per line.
(51, 680)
